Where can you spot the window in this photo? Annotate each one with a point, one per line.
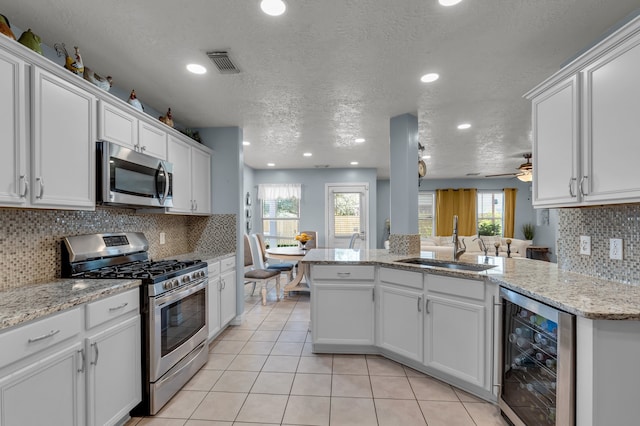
(426, 209)
(490, 213)
(280, 213)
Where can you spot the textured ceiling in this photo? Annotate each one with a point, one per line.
(330, 71)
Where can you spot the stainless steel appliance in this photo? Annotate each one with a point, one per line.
(537, 361)
(129, 178)
(174, 306)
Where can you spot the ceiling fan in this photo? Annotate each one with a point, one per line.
(526, 170)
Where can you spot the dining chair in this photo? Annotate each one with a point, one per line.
(284, 267)
(256, 275)
(313, 242)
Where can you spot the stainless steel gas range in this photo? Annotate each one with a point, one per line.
(173, 302)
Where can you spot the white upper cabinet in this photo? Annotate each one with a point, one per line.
(117, 125)
(191, 177)
(201, 181)
(152, 139)
(63, 143)
(13, 144)
(586, 127)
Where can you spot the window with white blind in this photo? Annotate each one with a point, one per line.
(280, 213)
(426, 213)
(490, 212)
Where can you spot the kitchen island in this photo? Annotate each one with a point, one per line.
(446, 323)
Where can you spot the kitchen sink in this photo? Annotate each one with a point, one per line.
(447, 264)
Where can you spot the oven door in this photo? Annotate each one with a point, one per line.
(127, 177)
(177, 325)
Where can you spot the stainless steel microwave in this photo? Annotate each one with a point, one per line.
(132, 179)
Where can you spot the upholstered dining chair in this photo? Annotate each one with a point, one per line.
(283, 267)
(256, 275)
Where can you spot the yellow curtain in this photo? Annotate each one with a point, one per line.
(509, 211)
(461, 202)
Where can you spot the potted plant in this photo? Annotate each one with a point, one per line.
(529, 231)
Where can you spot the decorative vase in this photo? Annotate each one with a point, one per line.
(303, 245)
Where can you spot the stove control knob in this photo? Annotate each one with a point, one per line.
(174, 283)
(186, 279)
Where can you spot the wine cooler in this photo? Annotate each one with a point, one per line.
(537, 361)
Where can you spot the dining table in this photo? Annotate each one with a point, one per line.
(292, 254)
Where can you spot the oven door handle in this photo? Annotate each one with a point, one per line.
(200, 348)
(181, 293)
(163, 171)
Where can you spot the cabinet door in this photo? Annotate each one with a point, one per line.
(116, 125)
(48, 392)
(13, 113)
(213, 293)
(400, 321)
(556, 172)
(611, 125)
(227, 297)
(201, 181)
(455, 338)
(179, 154)
(342, 313)
(152, 139)
(114, 372)
(63, 150)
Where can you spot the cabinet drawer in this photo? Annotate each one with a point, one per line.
(228, 263)
(213, 268)
(343, 272)
(400, 277)
(103, 310)
(471, 289)
(38, 335)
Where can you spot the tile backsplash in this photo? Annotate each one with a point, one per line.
(600, 223)
(30, 239)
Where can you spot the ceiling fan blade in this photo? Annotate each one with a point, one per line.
(503, 174)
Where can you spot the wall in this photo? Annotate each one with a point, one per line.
(313, 203)
(30, 239)
(601, 223)
(383, 209)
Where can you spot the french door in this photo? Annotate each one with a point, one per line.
(347, 214)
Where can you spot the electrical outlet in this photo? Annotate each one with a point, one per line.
(162, 238)
(585, 245)
(615, 248)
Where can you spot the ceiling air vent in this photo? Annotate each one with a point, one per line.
(222, 61)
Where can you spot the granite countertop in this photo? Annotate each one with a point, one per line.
(207, 257)
(582, 295)
(30, 302)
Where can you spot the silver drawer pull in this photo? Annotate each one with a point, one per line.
(344, 274)
(118, 307)
(26, 186)
(81, 369)
(97, 353)
(46, 336)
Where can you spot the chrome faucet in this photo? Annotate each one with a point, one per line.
(482, 245)
(457, 250)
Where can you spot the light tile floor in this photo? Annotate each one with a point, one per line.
(264, 373)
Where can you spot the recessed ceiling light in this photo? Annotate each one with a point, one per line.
(271, 164)
(196, 68)
(307, 154)
(464, 126)
(246, 143)
(429, 78)
(354, 163)
(359, 140)
(426, 157)
(273, 7)
(449, 2)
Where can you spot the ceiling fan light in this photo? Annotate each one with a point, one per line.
(525, 177)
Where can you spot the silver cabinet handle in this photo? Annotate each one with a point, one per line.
(26, 186)
(118, 307)
(45, 336)
(344, 274)
(373, 294)
(81, 369)
(581, 186)
(419, 303)
(426, 305)
(223, 284)
(571, 179)
(143, 148)
(196, 203)
(95, 350)
(41, 182)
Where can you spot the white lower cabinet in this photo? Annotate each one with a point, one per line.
(113, 372)
(213, 308)
(49, 391)
(56, 372)
(222, 294)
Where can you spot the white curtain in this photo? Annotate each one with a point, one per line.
(275, 191)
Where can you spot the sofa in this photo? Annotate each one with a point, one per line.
(445, 245)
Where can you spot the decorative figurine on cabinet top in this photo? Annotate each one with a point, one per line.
(167, 119)
(5, 27)
(30, 40)
(72, 63)
(104, 83)
(134, 102)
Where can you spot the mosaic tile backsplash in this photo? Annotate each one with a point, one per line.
(601, 224)
(30, 239)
